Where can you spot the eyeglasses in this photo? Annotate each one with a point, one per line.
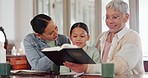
(115, 18)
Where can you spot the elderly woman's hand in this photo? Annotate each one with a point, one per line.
(76, 67)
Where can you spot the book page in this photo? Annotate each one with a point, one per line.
(16, 71)
(58, 48)
(69, 46)
(28, 72)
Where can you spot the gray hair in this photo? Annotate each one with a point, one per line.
(118, 5)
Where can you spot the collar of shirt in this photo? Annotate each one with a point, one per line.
(121, 33)
(50, 43)
(118, 35)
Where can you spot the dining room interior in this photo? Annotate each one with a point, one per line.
(15, 17)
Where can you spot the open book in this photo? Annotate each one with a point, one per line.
(58, 48)
(69, 53)
(28, 72)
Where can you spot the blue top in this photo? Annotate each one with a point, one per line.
(35, 57)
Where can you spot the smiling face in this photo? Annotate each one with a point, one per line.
(50, 33)
(79, 37)
(115, 20)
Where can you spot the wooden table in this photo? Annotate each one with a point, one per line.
(119, 76)
(49, 76)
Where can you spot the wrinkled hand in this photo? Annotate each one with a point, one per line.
(76, 67)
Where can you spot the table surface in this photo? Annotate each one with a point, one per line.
(51, 76)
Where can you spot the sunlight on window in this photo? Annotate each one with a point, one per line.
(2, 38)
(143, 14)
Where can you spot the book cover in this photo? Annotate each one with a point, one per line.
(69, 53)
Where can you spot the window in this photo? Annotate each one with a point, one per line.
(143, 14)
(104, 3)
(53, 8)
(83, 12)
(2, 37)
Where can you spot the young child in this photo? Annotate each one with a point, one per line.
(79, 35)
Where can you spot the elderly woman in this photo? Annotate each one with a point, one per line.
(118, 45)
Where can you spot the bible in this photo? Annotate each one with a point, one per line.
(67, 52)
